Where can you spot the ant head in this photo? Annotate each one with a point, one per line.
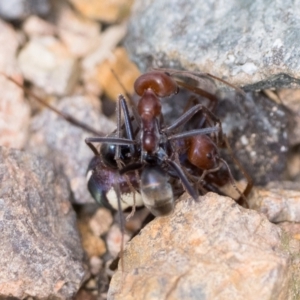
(162, 84)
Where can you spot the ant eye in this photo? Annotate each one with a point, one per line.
(209, 156)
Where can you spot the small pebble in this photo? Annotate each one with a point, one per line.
(101, 221)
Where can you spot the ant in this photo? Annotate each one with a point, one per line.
(150, 153)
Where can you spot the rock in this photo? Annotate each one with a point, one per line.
(20, 9)
(64, 143)
(79, 34)
(109, 39)
(34, 26)
(14, 122)
(213, 249)
(114, 240)
(126, 71)
(92, 244)
(101, 221)
(40, 247)
(291, 242)
(257, 130)
(251, 44)
(8, 50)
(48, 64)
(105, 10)
(84, 295)
(277, 203)
(95, 265)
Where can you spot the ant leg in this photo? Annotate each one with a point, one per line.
(129, 132)
(110, 140)
(92, 147)
(122, 225)
(212, 98)
(182, 120)
(189, 114)
(185, 182)
(191, 133)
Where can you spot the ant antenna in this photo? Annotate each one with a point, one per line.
(65, 116)
(122, 86)
(234, 184)
(192, 75)
(237, 162)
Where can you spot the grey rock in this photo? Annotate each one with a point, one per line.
(20, 9)
(40, 250)
(252, 44)
(63, 143)
(258, 132)
(213, 249)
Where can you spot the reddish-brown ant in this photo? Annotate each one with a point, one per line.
(154, 148)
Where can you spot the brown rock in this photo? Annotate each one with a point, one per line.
(40, 248)
(14, 111)
(105, 10)
(213, 249)
(93, 245)
(277, 203)
(126, 71)
(109, 39)
(14, 115)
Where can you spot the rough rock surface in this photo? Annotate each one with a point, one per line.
(64, 143)
(257, 130)
(79, 34)
(14, 111)
(252, 44)
(213, 249)
(47, 63)
(277, 203)
(40, 248)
